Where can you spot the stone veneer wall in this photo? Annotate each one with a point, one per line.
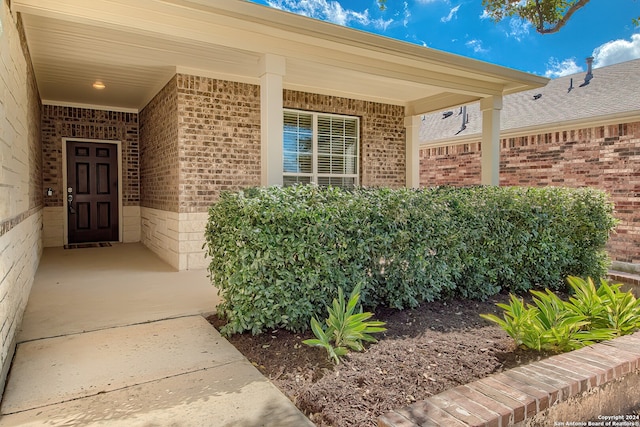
(604, 157)
(21, 197)
(199, 136)
(219, 149)
(382, 134)
(71, 122)
(159, 171)
(159, 174)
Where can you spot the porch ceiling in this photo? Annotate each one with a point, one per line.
(135, 46)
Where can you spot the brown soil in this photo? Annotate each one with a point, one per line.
(425, 351)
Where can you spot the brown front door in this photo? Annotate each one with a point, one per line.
(92, 192)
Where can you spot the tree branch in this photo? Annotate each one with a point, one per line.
(540, 17)
(562, 21)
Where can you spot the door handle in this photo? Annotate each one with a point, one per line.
(69, 200)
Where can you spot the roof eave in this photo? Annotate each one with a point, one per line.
(259, 29)
(373, 44)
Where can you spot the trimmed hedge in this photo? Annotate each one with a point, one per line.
(278, 255)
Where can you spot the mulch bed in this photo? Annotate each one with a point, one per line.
(424, 351)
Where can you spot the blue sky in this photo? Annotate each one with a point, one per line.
(602, 29)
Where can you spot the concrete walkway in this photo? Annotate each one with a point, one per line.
(114, 337)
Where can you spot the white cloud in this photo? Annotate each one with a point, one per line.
(609, 53)
(476, 45)
(566, 67)
(382, 24)
(452, 14)
(329, 10)
(407, 15)
(416, 40)
(429, 1)
(617, 51)
(485, 15)
(518, 28)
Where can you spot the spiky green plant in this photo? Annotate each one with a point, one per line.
(346, 327)
(517, 321)
(607, 307)
(591, 315)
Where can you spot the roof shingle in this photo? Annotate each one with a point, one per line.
(614, 89)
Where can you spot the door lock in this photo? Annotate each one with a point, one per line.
(70, 199)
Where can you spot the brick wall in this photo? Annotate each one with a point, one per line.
(159, 165)
(604, 157)
(219, 139)
(457, 165)
(216, 144)
(21, 197)
(201, 136)
(382, 143)
(71, 122)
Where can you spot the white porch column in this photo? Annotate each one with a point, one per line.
(412, 126)
(272, 68)
(490, 165)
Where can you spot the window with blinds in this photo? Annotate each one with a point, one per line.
(320, 148)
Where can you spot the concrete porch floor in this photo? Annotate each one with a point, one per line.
(114, 336)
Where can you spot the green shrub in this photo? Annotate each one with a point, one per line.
(346, 329)
(279, 255)
(591, 315)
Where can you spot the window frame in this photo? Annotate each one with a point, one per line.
(314, 175)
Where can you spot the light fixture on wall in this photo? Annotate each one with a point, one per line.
(98, 85)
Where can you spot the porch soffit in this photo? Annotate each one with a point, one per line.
(135, 46)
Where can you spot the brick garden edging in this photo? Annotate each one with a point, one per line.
(625, 278)
(512, 396)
